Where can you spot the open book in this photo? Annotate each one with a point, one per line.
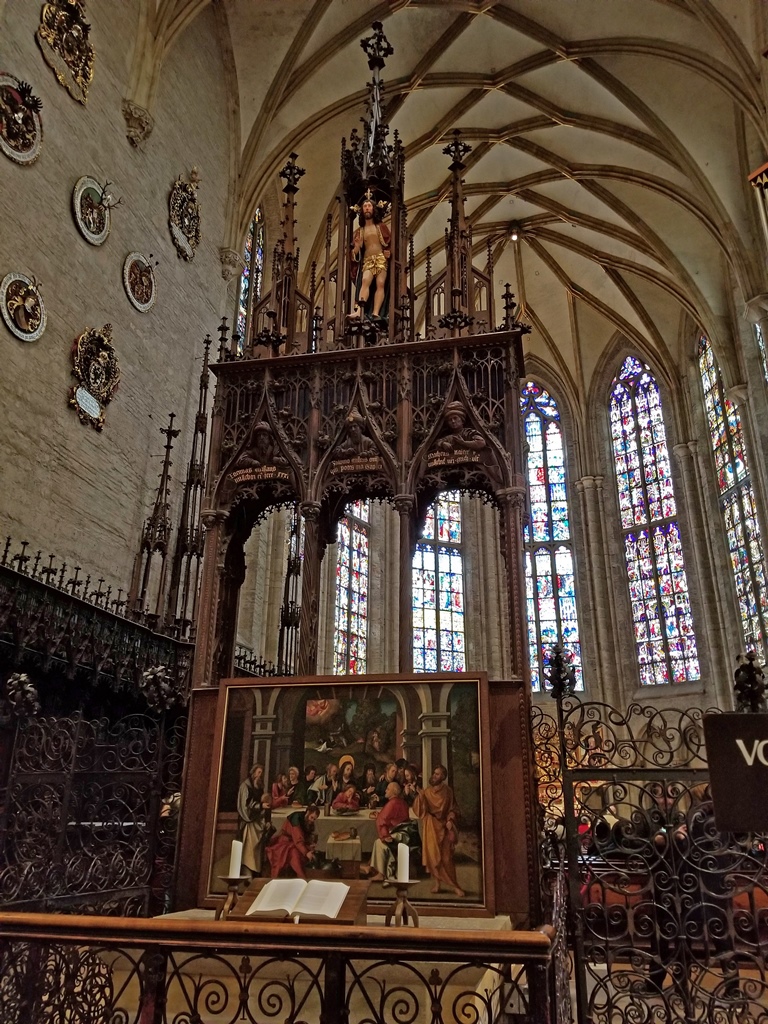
(297, 897)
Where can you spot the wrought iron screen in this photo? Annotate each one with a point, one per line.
(668, 915)
(89, 821)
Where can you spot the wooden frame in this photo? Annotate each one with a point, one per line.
(267, 721)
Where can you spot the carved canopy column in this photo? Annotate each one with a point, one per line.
(314, 550)
(405, 504)
(512, 502)
(213, 521)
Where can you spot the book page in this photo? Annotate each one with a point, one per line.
(323, 898)
(278, 894)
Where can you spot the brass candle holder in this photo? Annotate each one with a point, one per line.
(402, 911)
(233, 883)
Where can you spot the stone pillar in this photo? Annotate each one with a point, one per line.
(512, 501)
(231, 271)
(213, 521)
(590, 492)
(314, 549)
(405, 503)
(710, 636)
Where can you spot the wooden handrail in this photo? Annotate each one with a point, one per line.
(269, 936)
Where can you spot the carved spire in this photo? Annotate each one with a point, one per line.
(188, 550)
(154, 541)
(291, 174)
(369, 159)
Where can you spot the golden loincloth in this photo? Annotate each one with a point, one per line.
(375, 263)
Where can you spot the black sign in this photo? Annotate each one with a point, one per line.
(737, 752)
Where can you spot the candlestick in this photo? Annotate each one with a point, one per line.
(235, 859)
(403, 854)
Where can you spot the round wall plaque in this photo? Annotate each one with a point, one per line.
(139, 281)
(22, 307)
(21, 130)
(92, 214)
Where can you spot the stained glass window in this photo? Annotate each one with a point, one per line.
(438, 590)
(550, 581)
(658, 586)
(253, 270)
(761, 346)
(351, 632)
(737, 501)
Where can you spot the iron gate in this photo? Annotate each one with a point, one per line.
(668, 916)
(89, 821)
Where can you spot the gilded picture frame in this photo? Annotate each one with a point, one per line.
(416, 724)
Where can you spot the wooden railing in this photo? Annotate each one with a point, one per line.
(173, 970)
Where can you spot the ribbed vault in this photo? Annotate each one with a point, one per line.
(613, 138)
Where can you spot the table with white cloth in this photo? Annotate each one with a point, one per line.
(342, 823)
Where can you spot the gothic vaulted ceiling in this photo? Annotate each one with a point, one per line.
(610, 134)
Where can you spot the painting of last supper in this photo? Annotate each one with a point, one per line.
(322, 778)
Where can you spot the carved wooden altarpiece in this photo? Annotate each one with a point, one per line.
(316, 410)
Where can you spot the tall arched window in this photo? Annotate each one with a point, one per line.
(351, 626)
(737, 501)
(658, 587)
(550, 583)
(761, 347)
(438, 590)
(253, 271)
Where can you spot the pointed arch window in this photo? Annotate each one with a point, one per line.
(761, 347)
(658, 586)
(351, 619)
(737, 502)
(550, 581)
(438, 590)
(253, 272)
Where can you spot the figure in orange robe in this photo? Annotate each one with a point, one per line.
(436, 807)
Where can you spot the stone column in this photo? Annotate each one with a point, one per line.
(314, 549)
(590, 492)
(710, 636)
(213, 521)
(405, 503)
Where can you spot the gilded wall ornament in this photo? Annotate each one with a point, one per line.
(63, 40)
(92, 204)
(95, 366)
(22, 307)
(184, 215)
(139, 281)
(21, 130)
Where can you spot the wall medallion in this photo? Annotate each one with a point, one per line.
(63, 39)
(94, 364)
(92, 206)
(139, 281)
(184, 215)
(21, 130)
(22, 307)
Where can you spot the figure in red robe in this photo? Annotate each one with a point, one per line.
(294, 845)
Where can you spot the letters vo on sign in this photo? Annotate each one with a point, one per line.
(737, 752)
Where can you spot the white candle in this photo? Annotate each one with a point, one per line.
(402, 862)
(236, 859)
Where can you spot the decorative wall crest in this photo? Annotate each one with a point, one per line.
(139, 281)
(95, 366)
(22, 307)
(138, 122)
(63, 40)
(184, 215)
(21, 130)
(92, 204)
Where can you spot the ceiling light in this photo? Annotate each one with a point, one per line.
(514, 232)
